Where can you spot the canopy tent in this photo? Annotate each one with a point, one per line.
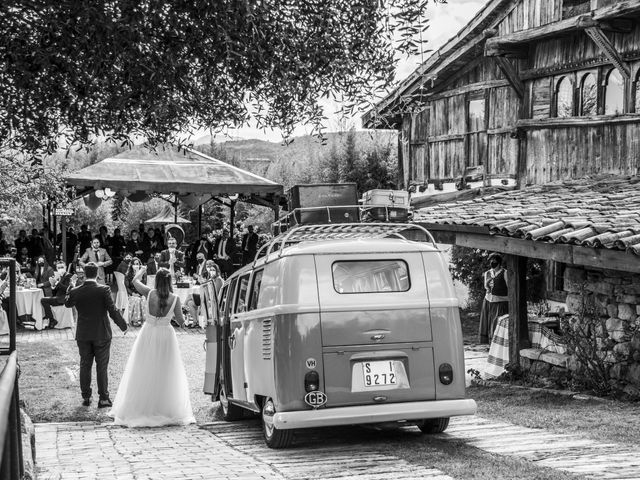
(190, 176)
(185, 172)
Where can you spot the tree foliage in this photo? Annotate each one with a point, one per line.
(75, 70)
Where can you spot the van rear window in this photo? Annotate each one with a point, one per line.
(371, 276)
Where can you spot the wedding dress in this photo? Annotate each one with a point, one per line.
(153, 390)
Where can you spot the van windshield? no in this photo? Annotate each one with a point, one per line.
(370, 276)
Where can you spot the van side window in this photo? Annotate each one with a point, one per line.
(243, 287)
(223, 299)
(255, 290)
(371, 276)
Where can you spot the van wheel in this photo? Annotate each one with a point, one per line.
(230, 412)
(434, 425)
(273, 437)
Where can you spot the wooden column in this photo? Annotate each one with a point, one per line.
(517, 285)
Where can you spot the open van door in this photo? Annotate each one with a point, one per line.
(209, 306)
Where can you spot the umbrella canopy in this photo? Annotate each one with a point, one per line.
(167, 215)
(169, 170)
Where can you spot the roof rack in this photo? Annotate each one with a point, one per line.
(336, 231)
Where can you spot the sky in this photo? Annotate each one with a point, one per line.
(445, 20)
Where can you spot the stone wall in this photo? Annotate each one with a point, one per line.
(615, 297)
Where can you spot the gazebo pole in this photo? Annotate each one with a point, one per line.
(232, 219)
(175, 208)
(199, 221)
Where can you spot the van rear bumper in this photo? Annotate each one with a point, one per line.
(326, 417)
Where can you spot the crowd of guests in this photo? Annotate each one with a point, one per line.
(214, 256)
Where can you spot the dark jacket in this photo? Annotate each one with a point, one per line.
(165, 256)
(94, 305)
(60, 289)
(42, 274)
(152, 268)
(229, 247)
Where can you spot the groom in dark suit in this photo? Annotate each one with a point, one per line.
(93, 332)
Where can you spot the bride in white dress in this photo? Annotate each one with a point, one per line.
(153, 390)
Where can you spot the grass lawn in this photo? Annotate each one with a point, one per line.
(50, 388)
(604, 421)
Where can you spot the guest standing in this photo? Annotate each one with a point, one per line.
(496, 299)
(99, 256)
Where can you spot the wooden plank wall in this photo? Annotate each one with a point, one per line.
(529, 14)
(441, 147)
(574, 152)
(579, 48)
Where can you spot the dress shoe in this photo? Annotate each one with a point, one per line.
(86, 402)
(104, 403)
(52, 323)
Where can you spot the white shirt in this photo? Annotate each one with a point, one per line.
(222, 246)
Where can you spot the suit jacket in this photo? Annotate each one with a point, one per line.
(152, 268)
(229, 247)
(164, 259)
(94, 305)
(102, 256)
(60, 288)
(42, 276)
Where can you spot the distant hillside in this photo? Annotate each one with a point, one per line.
(306, 148)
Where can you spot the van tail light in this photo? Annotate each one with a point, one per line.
(446, 374)
(312, 381)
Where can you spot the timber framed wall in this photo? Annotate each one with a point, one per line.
(536, 45)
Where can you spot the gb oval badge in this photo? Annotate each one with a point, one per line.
(315, 399)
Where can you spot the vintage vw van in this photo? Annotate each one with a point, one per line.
(339, 328)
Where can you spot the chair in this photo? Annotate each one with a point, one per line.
(64, 316)
(4, 322)
(122, 297)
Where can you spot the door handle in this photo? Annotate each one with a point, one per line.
(232, 341)
(378, 337)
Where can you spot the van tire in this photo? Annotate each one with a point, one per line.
(230, 412)
(273, 437)
(434, 425)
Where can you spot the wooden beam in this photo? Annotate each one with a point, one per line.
(602, 41)
(511, 73)
(517, 291)
(472, 87)
(578, 121)
(571, 254)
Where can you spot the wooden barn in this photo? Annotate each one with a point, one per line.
(530, 91)
(521, 135)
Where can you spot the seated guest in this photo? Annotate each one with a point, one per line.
(135, 244)
(137, 304)
(42, 274)
(152, 244)
(61, 280)
(153, 264)
(123, 266)
(25, 262)
(172, 259)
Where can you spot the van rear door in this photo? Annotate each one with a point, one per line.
(376, 328)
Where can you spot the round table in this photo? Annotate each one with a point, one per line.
(28, 303)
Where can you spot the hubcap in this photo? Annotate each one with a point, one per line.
(267, 417)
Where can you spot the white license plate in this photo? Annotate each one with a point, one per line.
(379, 374)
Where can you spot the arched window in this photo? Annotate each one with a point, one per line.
(614, 96)
(564, 98)
(588, 96)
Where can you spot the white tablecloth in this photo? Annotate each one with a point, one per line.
(28, 303)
